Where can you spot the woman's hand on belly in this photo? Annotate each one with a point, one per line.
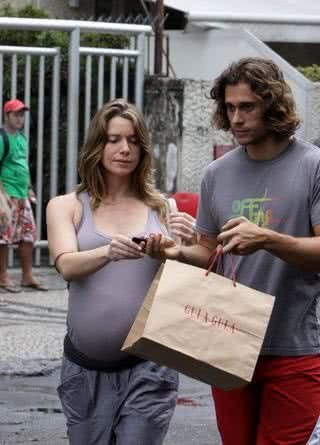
(123, 248)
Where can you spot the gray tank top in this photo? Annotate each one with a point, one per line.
(103, 306)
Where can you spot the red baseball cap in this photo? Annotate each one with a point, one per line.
(14, 105)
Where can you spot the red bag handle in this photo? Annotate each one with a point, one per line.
(218, 252)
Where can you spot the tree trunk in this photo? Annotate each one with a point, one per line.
(158, 14)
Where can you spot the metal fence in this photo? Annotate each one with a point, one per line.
(119, 62)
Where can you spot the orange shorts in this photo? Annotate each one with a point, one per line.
(281, 406)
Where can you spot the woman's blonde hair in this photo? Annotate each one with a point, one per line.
(91, 170)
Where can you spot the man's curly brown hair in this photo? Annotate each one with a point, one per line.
(267, 82)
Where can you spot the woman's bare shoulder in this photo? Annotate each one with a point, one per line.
(67, 202)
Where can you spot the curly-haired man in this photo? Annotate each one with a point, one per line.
(261, 201)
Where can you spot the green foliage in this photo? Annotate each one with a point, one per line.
(310, 72)
(52, 38)
(21, 38)
(103, 40)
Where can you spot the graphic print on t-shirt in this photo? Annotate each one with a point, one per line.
(259, 211)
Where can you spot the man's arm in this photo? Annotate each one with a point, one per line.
(200, 253)
(242, 237)
(196, 254)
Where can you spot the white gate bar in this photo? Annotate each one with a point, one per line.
(73, 111)
(32, 50)
(108, 52)
(100, 81)
(87, 103)
(140, 72)
(125, 77)
(55, 104)
(70, 25)
(113, 78)
(40, 153)
(27, 97)
(14, 72)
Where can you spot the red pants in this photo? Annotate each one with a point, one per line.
(280, 406)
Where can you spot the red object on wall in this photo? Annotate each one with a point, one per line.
(219, 150)
(187, 202)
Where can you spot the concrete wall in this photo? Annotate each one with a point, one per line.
(197, 134)
(313, 115)
(178, 115)
(163, 111)
(199, 137)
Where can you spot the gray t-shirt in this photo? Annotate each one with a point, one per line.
(104, 305)
(282, 194)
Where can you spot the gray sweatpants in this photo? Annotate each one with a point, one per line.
(128, 407)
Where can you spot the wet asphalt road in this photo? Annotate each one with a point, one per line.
(30, 412)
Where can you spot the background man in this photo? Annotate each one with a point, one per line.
(261, 201)
(15, 177)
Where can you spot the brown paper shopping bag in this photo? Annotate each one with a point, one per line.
(201, 325)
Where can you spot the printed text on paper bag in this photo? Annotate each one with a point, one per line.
(196, 313)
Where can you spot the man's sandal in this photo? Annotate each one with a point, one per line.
(12, 288)
(35, 286)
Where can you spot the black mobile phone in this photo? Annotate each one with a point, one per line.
(139, 239)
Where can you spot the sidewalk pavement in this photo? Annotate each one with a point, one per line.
(32, 327)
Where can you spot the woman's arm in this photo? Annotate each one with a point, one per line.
(63, 213)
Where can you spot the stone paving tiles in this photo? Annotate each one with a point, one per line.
(32, 326)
